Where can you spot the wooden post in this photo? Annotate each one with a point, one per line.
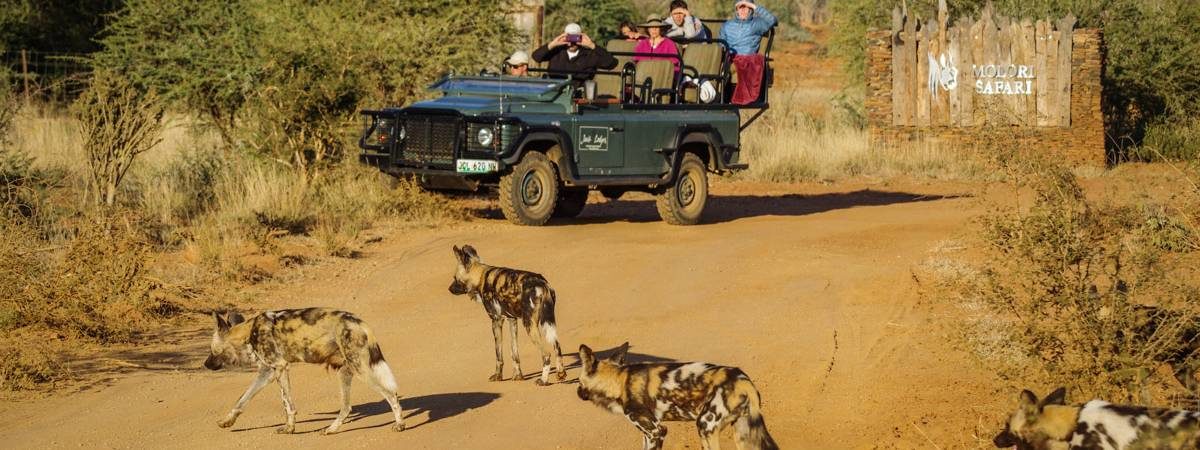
(25, 73)
(538, 33)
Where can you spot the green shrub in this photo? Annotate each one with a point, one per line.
(286, 79)
(600, 19)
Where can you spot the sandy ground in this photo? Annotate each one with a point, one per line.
(811, 290)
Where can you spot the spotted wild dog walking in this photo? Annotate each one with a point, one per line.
(650, 393)
(1096, 425)
(276, 339)
(508, 295)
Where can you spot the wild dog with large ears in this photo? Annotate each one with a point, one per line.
(650, 393)
(509, 295)
(1052, 424)
(276, 339)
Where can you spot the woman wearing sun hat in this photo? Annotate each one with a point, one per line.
(656, 42)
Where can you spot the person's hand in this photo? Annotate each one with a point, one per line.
(559, 41)
(587, 42)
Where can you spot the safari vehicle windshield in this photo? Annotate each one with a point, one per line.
(500, 86)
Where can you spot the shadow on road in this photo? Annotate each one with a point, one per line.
(728, 208)
(439, 406)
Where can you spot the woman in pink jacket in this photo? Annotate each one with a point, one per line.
(657, 42)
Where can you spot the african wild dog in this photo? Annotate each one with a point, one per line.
(650, 393)
(1052, 424)
(511, 294)
(276, 339)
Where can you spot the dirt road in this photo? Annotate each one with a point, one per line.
(809, 289)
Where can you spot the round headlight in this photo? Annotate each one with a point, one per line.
(485, 136)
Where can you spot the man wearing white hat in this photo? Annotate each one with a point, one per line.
(573, 53)
(518, 64)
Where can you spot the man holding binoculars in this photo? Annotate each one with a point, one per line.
(573, 53)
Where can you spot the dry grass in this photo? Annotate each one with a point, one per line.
(1094, 294)
(83, 275)
(805, 137)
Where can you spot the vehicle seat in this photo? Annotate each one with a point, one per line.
(654, 80)
(713, 27)
(610, 85)
(703, 62)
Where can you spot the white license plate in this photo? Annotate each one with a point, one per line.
(476, 166)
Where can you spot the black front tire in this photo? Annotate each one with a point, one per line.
(570, 202)
(529, 192)
(683, 202)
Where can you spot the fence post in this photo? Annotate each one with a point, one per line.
(25, 73)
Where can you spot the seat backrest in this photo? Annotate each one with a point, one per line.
(704, 57)
(621, 45)
(660, 72)
(610, 85)
(714, 28)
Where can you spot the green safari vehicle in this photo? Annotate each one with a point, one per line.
(543, 144)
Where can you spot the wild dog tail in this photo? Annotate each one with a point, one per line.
(546, 321)
(751, 429)
(377, 368)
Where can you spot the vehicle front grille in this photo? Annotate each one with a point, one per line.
(430, 141)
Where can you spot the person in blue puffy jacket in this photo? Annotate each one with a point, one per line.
(742, 34)
(748, 25)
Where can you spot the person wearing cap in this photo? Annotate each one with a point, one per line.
(518, 64)
(683, 24)
(742, 34)
(656, 42)
(574, 54)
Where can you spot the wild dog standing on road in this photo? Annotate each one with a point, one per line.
(276, 339)
(511, 294)
(648, 394)
(1052, 424)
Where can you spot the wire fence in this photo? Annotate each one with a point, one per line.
(46, 76)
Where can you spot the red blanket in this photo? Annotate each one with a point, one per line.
(750, 75)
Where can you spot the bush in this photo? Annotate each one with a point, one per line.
(1080, 293)
(93, 287)
(1170, 139)
(601, 20)
(119, 123)
(286, 79)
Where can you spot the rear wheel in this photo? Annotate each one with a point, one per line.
(683, 202)
(529, 192)
(570, 202)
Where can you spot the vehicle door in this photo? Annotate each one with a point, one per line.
(599, 141)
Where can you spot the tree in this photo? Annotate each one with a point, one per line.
(600, 19)
(118, 122)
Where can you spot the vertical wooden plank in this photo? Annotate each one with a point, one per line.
(974, 51)
(925, 36)
(989, 51)
(897, 66)
(939, 106)
(1004, 65)
(1066, 27)
(1041, 88)
(1029, 59)
(955, 59)
(909, 87)
(1052, 87)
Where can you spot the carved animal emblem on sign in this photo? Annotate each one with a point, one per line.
(942, 74)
